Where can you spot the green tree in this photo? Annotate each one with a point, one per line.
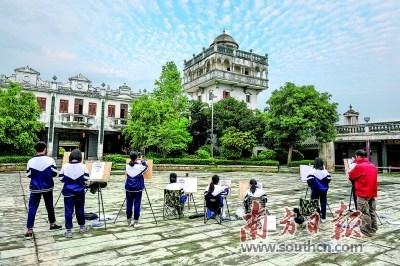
(237, 144)
(159, 121)
(200, 124)
(295, 113)
(230, 112)
(19, 120)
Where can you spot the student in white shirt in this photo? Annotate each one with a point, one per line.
(254, 191)
(173, 185)
(214, 188)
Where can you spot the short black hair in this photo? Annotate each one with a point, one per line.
(76, 155)
(318, 164)
(173, 177)
(40, 146)
(361, 153)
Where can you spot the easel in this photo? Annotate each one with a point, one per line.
(327, 204)
(97, 185)
(148, 199)
(190, 196)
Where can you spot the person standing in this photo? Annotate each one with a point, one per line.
(41, 169)
(318, 180)
(134, 186)
(74, 175)
(364, 176)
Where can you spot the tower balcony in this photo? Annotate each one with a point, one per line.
(118, 123)
(226, 77)
(76, 120)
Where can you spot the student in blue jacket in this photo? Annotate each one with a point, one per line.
(319, 180)
(134, 186)
(73, 175)
(41, 169)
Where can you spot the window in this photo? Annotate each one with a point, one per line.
(111, 110)
(199, 98)
(63, 106)
(123, 113)
(246, 72)
(228, 69)
(247, 98)
(225, 94)
(42, 103)
(92, 109)
(78, 106)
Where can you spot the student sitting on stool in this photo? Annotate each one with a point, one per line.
(41, 169)
(255, 192)
(134, 186)
(73, 175)
(173, 185)
(216, 190)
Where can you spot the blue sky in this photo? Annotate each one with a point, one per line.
(349, 48)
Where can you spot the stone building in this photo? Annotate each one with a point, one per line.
(77, 114)
(222, 70)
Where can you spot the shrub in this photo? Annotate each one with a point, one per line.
(302, 162)
(115, 158)
(203, 154)
(14, 159)
(213, 162)
(266, 155)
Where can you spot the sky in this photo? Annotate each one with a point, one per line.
(350, 49)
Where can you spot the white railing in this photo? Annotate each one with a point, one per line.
(227, 76)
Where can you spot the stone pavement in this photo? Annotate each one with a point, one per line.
(187, 241)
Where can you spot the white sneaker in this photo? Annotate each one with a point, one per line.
(136, 224)
(83, 229)
(68, 233)
(129, 222)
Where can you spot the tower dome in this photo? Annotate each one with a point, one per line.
(225, 39)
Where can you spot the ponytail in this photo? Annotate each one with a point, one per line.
(133, 156)
(214, 181)
(211, 188)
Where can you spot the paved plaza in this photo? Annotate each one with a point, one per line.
(187, 241)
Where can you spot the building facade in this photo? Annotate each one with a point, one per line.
(77, 114)
(222, 71)
(381, 139)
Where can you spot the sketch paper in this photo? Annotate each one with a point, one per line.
(305, 170)
(189, 184)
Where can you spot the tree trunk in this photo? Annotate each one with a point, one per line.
(289, 156)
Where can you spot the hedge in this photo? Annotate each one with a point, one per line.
(14, 159)
(302, 162)
(121, 159)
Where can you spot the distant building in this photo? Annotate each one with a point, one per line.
(225, 71)
(77, 114)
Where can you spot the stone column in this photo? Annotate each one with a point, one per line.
(101, 131)
(50, 137)
(384, 154)
(327, 153)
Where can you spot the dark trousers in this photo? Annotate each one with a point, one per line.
(133, 200)
(322, 200)
(34, 201)
(76, 202)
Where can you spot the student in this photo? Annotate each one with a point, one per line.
(173, 185)
(254, 191)
(41, 169)
(134, 186)
(73, 175)
(214, 188)
(318, 180)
